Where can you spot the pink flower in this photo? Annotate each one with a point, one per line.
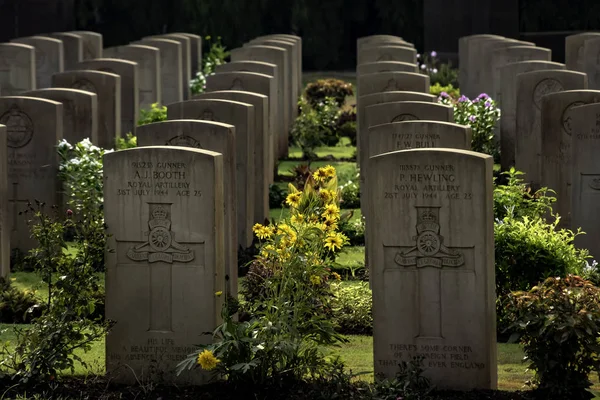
(69, 213)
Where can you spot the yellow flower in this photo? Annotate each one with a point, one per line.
(331, 212)
(336, 276)
(327, 195)
(293, 199)
(330, 224)
(219, 293)
(297, 219)
(334, 240)
(207, 360)
(318, 175)
(263, 232)
(267, 250)
(328, 171)
(315, 280)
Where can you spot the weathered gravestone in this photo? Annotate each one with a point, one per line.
(263, 176)
(49, 58)
(463, 58)
(585, 194)
(531, 87)
(72, 48)
(477, 63)
(591, 62)
(171, 69)
(17, 68)
(297, 41)
(128, 71)
(574, 50)
(93, 43)
(387, 52)
(164, 209)
(366, 41)
(392, 82)
(213, 136)
(186, 60)
(556, 151)
(378, 98)
(293, 65)
(432, 251)
(148, 61)
(507, 98)
(277, 56)
(195, 52)
(4, 227)
(107, 88)
(406, 111)
(80, 112)
(33, 129)
(385, 66)
(240, 115)
(256, 83)
(487, 66)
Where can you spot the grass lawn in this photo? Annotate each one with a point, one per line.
(343, 149)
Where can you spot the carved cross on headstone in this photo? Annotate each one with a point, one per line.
(15, 203)
(162, 254)
(428, 256)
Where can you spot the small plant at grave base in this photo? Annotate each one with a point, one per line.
(439, 73)
(215, 56)
(558, 323)
(591, 272)
(128, 142)
(316, 126)
(408, 384)
(481, 114)
(47, 347)
(80, 171)
(353, 309)
(516, 198)
(451, 91)
(156, 113)
(289, 309)
(317, 92)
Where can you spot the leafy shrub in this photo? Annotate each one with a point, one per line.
(347, 124)
(156, 113)
(409, 383)
(449, 90)
(289, 307)
(128, 142)
(354, 231)
(350, 194)
(353, 308)
(591, 272)
(516, 198)
(558, 323)
(481, 114)
(80, 171)
(442, 74)
(316, 126)
(16, 306)
(317, 92)
(276, 196)
(45, 348)
(215, 56)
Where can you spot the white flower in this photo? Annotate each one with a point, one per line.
(64, 144)
(435, 71)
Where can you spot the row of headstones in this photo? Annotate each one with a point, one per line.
(253, 110)
(429, 232)
(546, 129)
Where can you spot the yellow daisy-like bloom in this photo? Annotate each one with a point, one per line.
(267, 250)
(330, 224)
(219, 293)
(334, 240)
(315, 280)
(293, 199)
(263, 232)
(207, 360)
(336, 276)
(318, 175)
(297, 218)
(331, 212)
(327, 195)
(328, 171)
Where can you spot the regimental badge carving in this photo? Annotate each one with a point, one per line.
(404, 117)
(567, 119)
(161, 245)
(185, 141)
(19, 127)
(385, 57)
(595, 183)
(545, 87)
(84, 84)
(392, 86)
(237, 85)
(207, 115)
(429, 249)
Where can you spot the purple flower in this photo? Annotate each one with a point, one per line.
(444, 94)
(463, 98)
(434, 53)
(483, 96)
(472, 118)
(476, 100)
(488, 104)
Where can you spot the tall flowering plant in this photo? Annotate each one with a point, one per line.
(288, 295)
(481, 114)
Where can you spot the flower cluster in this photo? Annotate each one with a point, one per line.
(216, 56)
(481, 114)
(439, 73)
